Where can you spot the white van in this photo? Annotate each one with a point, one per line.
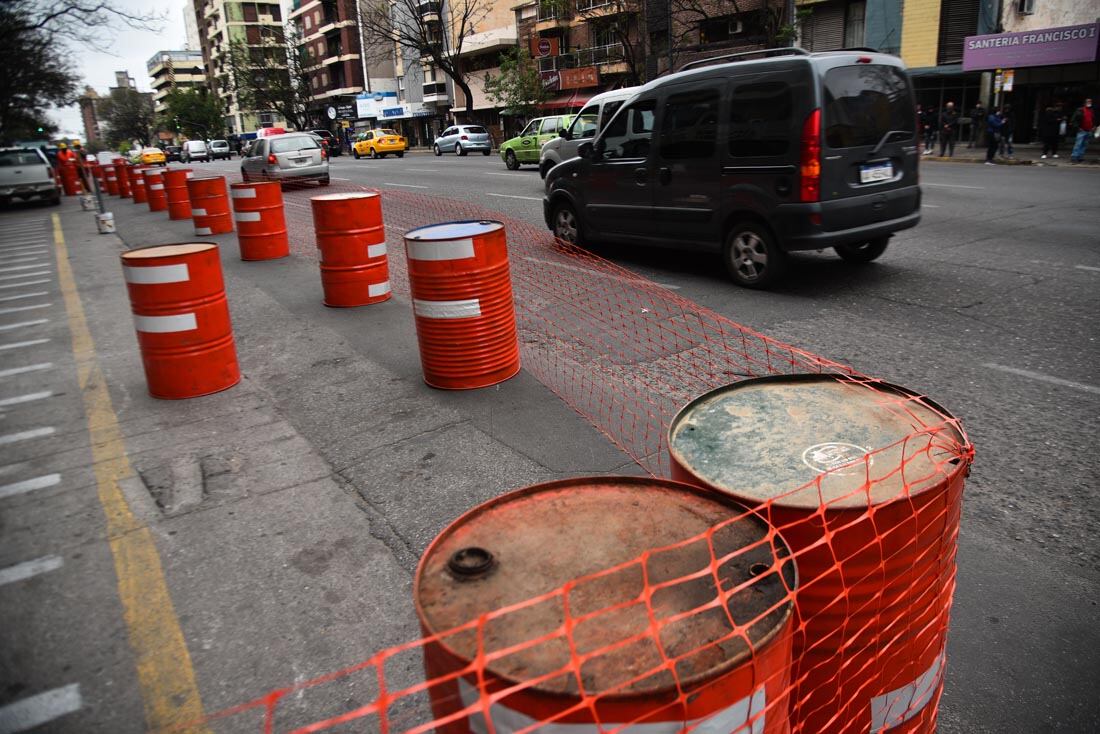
(194, 150)
(585, 126)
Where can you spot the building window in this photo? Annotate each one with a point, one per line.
(854, 24)
(604, 35)
(1026, 7)
(719, 30)
(308, 22)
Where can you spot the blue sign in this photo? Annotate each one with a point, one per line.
(393, 112)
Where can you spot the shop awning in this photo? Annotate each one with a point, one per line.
(566, 101)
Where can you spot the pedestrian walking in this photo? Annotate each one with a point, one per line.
(1050, 127)
(1008, 128)
(928, 127)
(993, 125)
(977, 125)
(1085, 123)
(949, 128)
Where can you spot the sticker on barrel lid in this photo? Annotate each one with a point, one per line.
(836, 457)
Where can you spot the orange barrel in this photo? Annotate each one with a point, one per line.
(261, 221)
(864, 480)
(111, 179)
(137, 185)
(175, 191)
(182, 319)
(624, 613)
(210, 205)
(462, 300)
(122, 173)
(352, 240)
(154, 190)
(70, 179)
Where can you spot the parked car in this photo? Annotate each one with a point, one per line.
(584, 126)
(463, 139)
(25, 174)
(194, 150)
(525, 147)
(220, 150)
(752, 158)
(287, 157)
(172, 152)
(150, 156)
(379, 143)
(332, 142)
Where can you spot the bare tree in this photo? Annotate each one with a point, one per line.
(79, 21)
(764, 25)
(435, 30)
(271, 75)
(36, 74)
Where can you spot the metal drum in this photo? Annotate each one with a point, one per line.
(155, 195)
(462, 300)
(677, 601)
(137, 185)
(175, 190)
(70, 179)
(210, 205)
(122, 171)
(354, 268)
(182, 319)
(261, 221)
(864, 480)
(110, 179)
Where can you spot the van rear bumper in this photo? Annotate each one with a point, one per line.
(878, 215)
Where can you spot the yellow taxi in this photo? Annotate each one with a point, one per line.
(151, 156)
(379, 143)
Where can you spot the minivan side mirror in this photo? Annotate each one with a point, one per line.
(586, 150)
(564, 133)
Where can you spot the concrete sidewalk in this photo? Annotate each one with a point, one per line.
(1028, 154)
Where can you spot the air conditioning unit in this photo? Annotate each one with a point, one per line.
(1026, 7)
(736, 27)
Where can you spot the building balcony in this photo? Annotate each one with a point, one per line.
(493, 40)
(426, 51)
(600, 55)
(435, 92)
(430, 11)
(554, 63)
(597, 8)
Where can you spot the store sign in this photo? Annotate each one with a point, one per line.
(586, 76)
(371, 105)
(551, 81)
(1008, 79)
(542, 47)
(394, 112)
(345, 111)
(1074, 44)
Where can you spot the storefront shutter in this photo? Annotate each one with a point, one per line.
(824, 30)
(958, 19)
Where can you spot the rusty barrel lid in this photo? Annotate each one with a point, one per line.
(172, 250)
(762, 439)
(344, 196)
(533, 541)
(448, 231)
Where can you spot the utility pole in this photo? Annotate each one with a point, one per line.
(790, 21)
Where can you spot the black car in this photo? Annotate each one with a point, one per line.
(331, 142)
(172, 152)
(752, 155)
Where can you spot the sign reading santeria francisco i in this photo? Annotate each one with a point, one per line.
(1074, 44)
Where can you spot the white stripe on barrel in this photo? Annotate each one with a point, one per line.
(166, 324)
(156, 187)
(198, 212)
(378, 289)
(447, 309)
(376, 250)
(450, 250)
(247, 216)
(203, 230)
(898, 706)
(243, 193)
(156, 274)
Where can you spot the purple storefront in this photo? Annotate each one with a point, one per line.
(1051, 67)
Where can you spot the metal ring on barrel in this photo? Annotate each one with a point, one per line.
(350, 235)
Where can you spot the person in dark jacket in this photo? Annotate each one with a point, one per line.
(977, 125)
(1008, 129)
(993, 125)
(928, 125)
(1085, 122)
(1050, 130)
(949, 129)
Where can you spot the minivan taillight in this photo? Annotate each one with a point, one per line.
(272, 159)
(809, 189)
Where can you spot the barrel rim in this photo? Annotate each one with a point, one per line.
(789, 500)
(151, 252)
(412, 233)
(700, 679)
(253, 184)
(345, 196)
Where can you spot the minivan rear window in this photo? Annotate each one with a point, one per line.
(287, 145)
(864, 102)
(474, 130)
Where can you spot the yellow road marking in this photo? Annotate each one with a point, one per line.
(164, 670)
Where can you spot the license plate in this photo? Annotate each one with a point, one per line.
(301, 161)
(876, 172)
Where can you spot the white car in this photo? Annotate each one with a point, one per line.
(194, 150)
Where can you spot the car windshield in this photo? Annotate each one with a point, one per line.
(474, 130)
(10, 158)
(864, 102)
(288, 145)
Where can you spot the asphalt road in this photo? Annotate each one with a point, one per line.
(289, 511)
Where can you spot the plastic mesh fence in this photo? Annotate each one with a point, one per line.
(855, 644)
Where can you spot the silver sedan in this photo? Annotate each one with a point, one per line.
(289, 157)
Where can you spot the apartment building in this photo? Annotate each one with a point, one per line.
(89, 114)
(220, 23)
(494, 33)
(171, 70)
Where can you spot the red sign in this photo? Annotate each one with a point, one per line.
(542, 47)
(550, 80)
(586, 76)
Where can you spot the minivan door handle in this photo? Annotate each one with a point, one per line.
(664, 175)
(641, 176)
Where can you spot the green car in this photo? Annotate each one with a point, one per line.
(525, 147)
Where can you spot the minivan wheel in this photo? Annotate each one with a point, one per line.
(567, 225)
(752, 257)
(864, 252)
(544, 168)
(510, 161)
(436, 150)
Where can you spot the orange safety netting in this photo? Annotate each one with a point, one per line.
(873, 536)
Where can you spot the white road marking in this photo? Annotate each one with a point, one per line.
(951, 186)
(21, 324)
(516, 173)
(29, 485)
(395, 229)
(14, 244)
(23, 285)
(27, 435)
(600, 274)
(29, 368)
(28, 398)
(423, 170)
(26, 570)
(35, 267)
(36, 248)
(340, 179)
(34, 711)
(25, 308)
(510, 196)
(36, 294)
(1044, 378)
(407, 186)
(20, 345)
(25, 275)
(1087, 267)
(930, 206)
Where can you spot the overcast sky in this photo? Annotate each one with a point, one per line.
(129, 51)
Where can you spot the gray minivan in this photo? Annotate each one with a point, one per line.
(773, 152)
(584, 127)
